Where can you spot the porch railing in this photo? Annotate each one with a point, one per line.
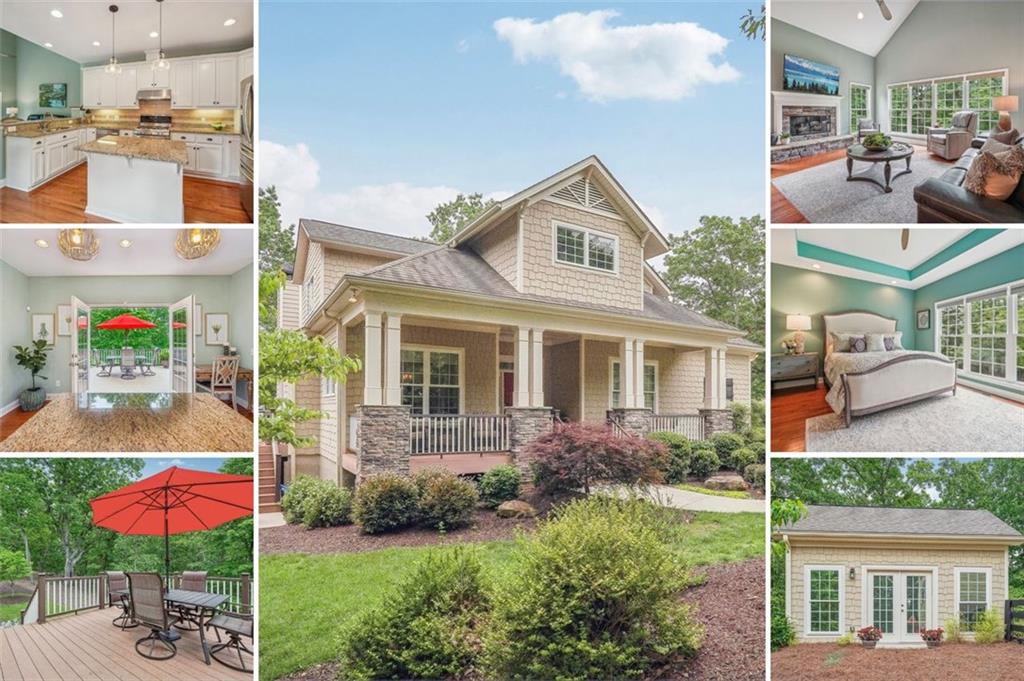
(464, 433)
(689, 425)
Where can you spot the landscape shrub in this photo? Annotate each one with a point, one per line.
(741, 458)
(577, 456)
(703, 460)
(501, 483)
(758, 449)
(595, 595)
(754, 474)
(678, 460)
(783, 632)
(954, 630)
(990, 627)
(385, 502)
(740, 416)
(757, 414)
(447, 501)
(424, 476)
(845, 640)
(294, 499)
(326, 505)
(725, 444)
(426, 628)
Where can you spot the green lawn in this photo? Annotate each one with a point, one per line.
(731, 493)
(11, 612)
(304, 599)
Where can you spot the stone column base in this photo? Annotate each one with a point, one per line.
(635, 421)
(716, 421)
(383, 440)
(526, 425)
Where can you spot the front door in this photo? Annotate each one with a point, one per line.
(79, 323)
(508, 387)
(898, 604)
(183, 377)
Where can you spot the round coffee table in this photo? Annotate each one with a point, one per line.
(896, 152)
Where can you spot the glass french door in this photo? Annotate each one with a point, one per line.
(182, 370)
(79, 324)
(899, 604)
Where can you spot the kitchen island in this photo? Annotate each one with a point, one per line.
(136, 179)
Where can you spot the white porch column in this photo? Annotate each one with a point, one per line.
(393, 360)
(372, 392)
(627, 375)
(638, 373)
(714, 378)
(722, 372)
(522, 368)
(537, 367)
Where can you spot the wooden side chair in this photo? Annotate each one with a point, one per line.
(223, 379)
(150, 611)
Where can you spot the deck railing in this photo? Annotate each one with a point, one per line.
(463, 433)
(689, 425)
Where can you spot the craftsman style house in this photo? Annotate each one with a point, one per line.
(542, 308)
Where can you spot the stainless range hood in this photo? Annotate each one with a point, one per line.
(154, 95)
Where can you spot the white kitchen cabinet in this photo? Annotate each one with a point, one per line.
(209, 159)
(90, 88)
(90, 135)
(150, 77)
(232, 156)
(38, 172)
(54, 158)
(32, 161)
(245, 65)
(216, 81)
(182, 75)
(128, 87)
(108, 89)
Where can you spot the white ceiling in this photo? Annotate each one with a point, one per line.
(874, 244)
(190, 26)
(837, 20)
(151, 254)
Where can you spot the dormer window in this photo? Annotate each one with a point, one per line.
(585, 248)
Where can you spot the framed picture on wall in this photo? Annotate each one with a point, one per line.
(197, 318)
(924, 320)
(42, 328)
(216, 325)
(64, 319)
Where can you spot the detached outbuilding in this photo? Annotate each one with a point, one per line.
(900, 569)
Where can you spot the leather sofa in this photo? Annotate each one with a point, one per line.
(950, 143)
(944, 199)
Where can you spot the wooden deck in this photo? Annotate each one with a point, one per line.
(88, 647)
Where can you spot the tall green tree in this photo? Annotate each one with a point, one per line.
(851, 481)
(448, 218)
(23, 519)
(157, 337)
(276, 250)
(718, 269)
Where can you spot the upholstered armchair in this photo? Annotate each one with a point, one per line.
(865, 127)
(950, 143)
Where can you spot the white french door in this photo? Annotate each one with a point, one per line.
(183, 376)
(79, 322)
(899, 603)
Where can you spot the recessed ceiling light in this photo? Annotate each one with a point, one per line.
(894, 282)
(47, 44)
(860, 15)
(42, 243)
(56, 14)
(816, 266)
(125, 243)
(154, 34)
(230, 22)
(95, 43)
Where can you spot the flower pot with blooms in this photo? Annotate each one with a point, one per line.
(869, 636)
(932, 637)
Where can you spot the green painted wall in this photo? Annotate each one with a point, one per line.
(799, 291)
(13, 301)
(37, 65)
(8, 83)
(242, 316)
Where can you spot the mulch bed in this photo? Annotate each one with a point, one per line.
(950, 661)
(348, 539)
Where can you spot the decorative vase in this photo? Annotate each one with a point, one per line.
(31, 399)
(869, 644)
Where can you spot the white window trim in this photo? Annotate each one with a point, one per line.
(867, 87)
(933, 600)
(328, 387)
(1005, 72)
(840, 570)
(426, 350)
(957, 571)
(613, 360)
(587, 233)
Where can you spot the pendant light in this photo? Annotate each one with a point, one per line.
(78, 244)
(195, 243)
(161, 64)
(113, 66)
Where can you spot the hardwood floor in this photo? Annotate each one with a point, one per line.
(792, 407)
(63, 199)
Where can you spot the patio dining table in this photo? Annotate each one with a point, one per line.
(202, 603)
(145, 360)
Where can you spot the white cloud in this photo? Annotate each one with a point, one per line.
(651, 61)
(394, 207)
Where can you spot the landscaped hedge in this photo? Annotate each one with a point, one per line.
(447, 501)
(500, 484)
(725, 444)
(679, 453)
(704, 460)
(385, 502)
(754, 474)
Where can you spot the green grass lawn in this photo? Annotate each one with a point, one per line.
(304, 599)
(11, 612)
(731, 493)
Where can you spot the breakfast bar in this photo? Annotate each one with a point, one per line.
(136, 179)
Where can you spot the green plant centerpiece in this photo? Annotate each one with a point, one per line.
(877, 141)
(32, 358)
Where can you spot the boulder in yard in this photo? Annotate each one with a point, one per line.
(516, 509)
(726, 482)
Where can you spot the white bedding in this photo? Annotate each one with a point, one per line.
(839, 363)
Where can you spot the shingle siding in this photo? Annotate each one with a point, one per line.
(680, 379)
(562, 378)
(498, 247)
(339, 262)
(737, 367)
(288, 303)
(480, 373)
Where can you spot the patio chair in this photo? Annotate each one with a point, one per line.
(190, 581)
(237, 626)
(148, 608)
(118, 581)
(148, 361)
(98, 360)
(128, 364)
(223, 379)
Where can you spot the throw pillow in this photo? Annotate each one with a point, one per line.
(995, 174)
(876, 342)
(1008, 137)
(894, 341)
(995, 146)
(840, 342)
(858, 344)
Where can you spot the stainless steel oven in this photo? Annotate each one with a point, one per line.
(248, 101)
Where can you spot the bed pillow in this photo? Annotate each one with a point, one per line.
(841, 342)
(858, 344)
(893, 341)
(876, 342)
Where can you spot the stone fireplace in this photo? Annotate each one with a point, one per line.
(808, 122)
(814, 123)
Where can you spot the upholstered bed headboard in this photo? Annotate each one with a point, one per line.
(855, 322)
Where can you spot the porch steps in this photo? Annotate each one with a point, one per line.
(266, 481)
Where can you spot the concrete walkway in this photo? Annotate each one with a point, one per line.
(694, 501)
(272, 520)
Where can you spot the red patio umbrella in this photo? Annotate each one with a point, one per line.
(174, 501)
(83, 323)
(126, 323)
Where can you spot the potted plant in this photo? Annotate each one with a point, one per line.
(869, 636)
(165, 358)
(877, 141)
(32, 358)
(932, 637)
(784, 138)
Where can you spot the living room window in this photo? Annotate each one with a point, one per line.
(980, 91)
(1018, 293)
(949, 98)
(431, 380)
(650, 385)
(583, 247)
(899, 108)
(914, 107)
(860, 104)
(920, 108)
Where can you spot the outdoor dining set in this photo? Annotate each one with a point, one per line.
(126, 361)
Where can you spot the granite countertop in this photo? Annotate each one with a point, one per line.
(138, 422)
(147, 148)
(31, 128)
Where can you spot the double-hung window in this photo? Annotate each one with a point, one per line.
(650, 385)
(914, 107)
(1018, 295)
(586, 248)
(328, 387)
(920, 108)
(824, 594)
(860, 104)
(973, 594)
(431, 380)
(949, 98)
(980, 91)
(988, 335)
(983, 333)
(899, 107)
(951, 332)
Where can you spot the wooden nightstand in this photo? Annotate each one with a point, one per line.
(790, 371)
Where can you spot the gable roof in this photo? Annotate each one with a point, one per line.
(353, 239)
(866, 520)
(590, 166)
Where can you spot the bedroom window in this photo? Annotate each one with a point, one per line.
(1018, 292)
(973, 593)
(650, 385)
(988, 335)
(431, 381)
(824, 600)
(578, 246)
(951, 333)
(983, 333)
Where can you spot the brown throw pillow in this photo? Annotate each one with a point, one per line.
(1008, 137)
(995, 174)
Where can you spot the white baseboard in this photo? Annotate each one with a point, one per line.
(3, 182)
(8, 408)
(981, 387)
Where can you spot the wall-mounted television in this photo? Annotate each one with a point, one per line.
(53, 95)
(806, 75)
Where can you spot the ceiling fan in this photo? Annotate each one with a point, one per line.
(886, 14)
(904, 238)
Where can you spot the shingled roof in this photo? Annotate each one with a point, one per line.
(909, 521)
(354, 236)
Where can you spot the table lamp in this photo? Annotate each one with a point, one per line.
(798, 323)
(1005, 105)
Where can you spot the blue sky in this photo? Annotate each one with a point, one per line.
(156, 464)
(371, 114)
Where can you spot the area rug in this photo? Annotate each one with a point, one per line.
(966, 422)
(823, 195)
